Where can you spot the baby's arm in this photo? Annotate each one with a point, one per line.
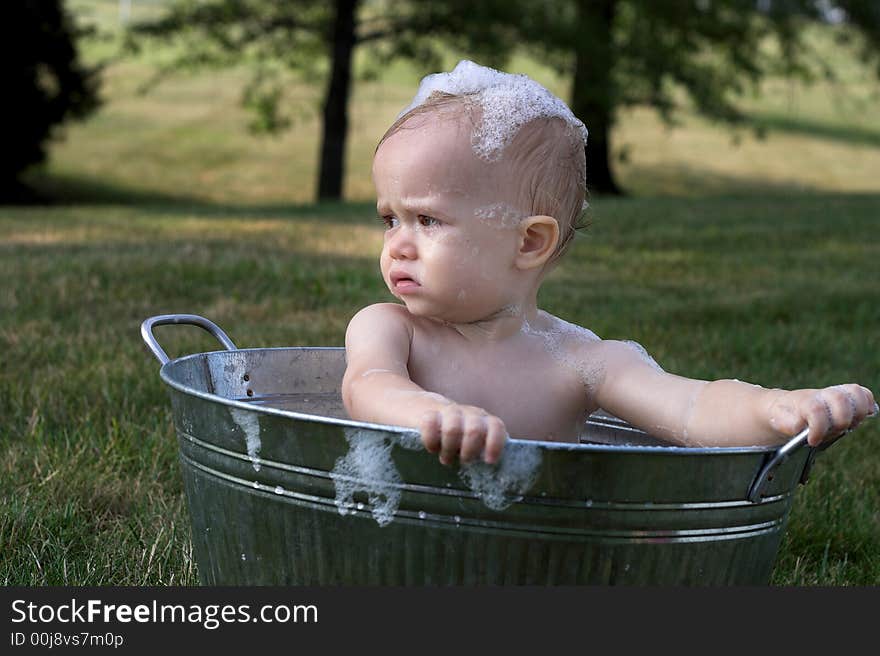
(377, 388)
(721, 412)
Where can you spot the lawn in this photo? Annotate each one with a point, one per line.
(780, 292)
(758, 262)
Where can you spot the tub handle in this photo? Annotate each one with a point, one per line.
(191, 319)
(756, 491)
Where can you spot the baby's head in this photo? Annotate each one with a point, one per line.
(497, 158)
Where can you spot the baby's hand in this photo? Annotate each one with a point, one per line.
(463, 430)
(828, 412)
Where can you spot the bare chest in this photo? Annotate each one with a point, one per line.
(535, 394)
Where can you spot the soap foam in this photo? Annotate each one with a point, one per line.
(506, 482)
(249, 423)
(638, 348)
(507, 102)
(368, 467)
(499, 215)
(590, 373)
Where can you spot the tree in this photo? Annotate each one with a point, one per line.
(634, 52)
(618, 53)
(45, 85)
(303, 35)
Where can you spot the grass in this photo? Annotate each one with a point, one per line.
(90, 487)
(757, 262)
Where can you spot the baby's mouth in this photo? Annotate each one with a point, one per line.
(402, 282)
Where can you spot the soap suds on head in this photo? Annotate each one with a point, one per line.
(502, 484)
(249, 423)
(507, 102)
(368, 468)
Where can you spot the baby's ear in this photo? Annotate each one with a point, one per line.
(538, 236)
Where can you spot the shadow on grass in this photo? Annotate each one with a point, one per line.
(848, 134)
(640, 182)
(681, 181)
(56, 190)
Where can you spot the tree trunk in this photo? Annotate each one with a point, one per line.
(593, 94)
(336, 103)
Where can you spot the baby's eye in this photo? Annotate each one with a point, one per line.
(428, 221)
(389, 220)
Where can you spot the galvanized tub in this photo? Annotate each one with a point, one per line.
(284, 489)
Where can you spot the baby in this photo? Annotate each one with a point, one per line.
(480, 184)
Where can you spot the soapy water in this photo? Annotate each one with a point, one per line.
(369, 468)
(249, 423)
(502, 484)
(507, 101)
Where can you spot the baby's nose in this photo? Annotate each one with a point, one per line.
(401, 245)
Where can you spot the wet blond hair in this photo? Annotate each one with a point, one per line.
(546, 155)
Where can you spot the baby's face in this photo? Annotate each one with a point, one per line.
(446, 254)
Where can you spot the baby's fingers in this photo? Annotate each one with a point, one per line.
(451, 433)
(844, 406)
(495, 439)
(818, 414)
(429, 427)
(474, 437)
(845, 410)
(872, 409)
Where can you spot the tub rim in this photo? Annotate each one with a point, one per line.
(409, 433)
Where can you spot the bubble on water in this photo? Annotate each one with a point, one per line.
(502, 484)
(422, 514)
(249, 423)
(243, 557)
(412, 440)
(457, 519)
(368, 468)
(279, 490)
(508, 101)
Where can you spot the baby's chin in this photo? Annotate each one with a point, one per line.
(443, 315)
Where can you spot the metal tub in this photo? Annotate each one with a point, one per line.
(284, 489)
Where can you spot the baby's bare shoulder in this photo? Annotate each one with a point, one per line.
(380, 321)
(614, 351)
(586, 350)
(567, 336)
(380, 313)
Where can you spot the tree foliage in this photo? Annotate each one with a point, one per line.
(316, 39)
(622, 53)
(45, 84)
(618, 53)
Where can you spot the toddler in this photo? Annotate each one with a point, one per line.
(480, 184)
